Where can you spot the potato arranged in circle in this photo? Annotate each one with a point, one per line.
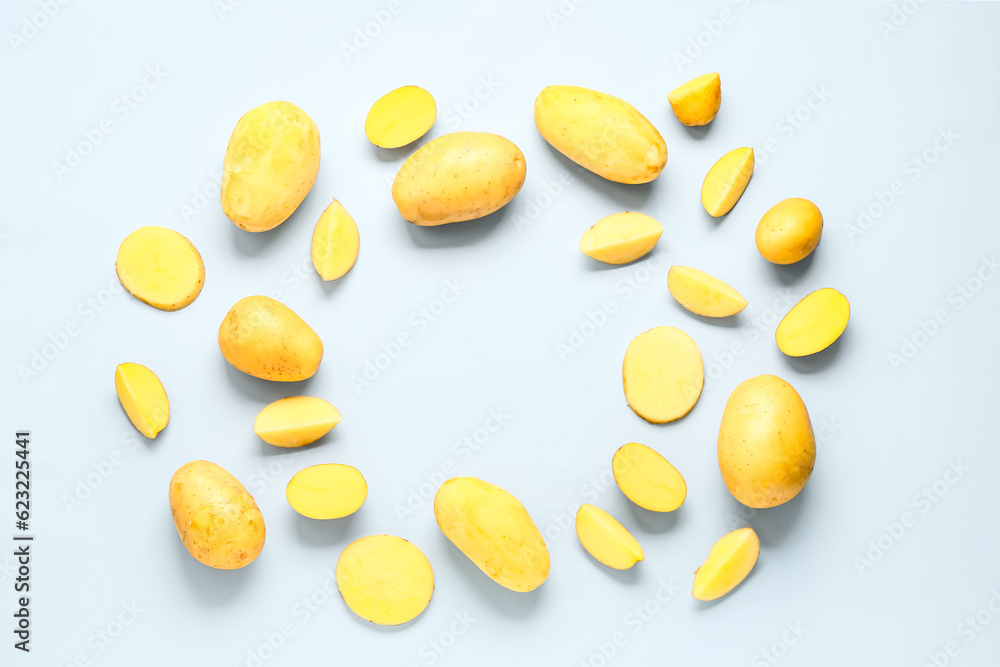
(327, 491)
(621, 238)
(648, 479)
(160, 267)
(814, 323)
(295, 421)
(728, 564)
(662, 374)
(385, 579)
(143, 397)
(605, 539)
(400, 117)
(789, 231)
(703, 294)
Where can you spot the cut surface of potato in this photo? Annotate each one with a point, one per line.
(605, 539)
(327, 491)
(814, 323)
(662, 374)
(703, 294)
(295, 421)
(385, 579)
(160, 267)
(621, 238)
(335, 242)
(142, 396)
(648, 479)
(697, 102)
(726, 180)
(400, 117)
(729, 562)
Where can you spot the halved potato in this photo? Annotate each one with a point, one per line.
(160, 267)
(327, 491)
(142, 396)
(726, 180)
(662, 374)
(703, 294)
(400, 117)
(697, 102)
(335, 242)
(295, 421)
(814, 323)
(728, 564)
(385, 579)
(648, 479)
(621, 238)
(605, 539)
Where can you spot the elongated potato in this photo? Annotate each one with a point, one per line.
(142, 396)
(295, 421)
(160, 267)
(662, 374)
(266, 339)
(458, 176)
(327, 491)
(621, 238)
(400, 117)
(385, 579)
(726, 181)
(814, 323)
(728, 564)
(703, 294)
(601, 133)
(697, 102)
(648, 479)
(335, 242)
(605, 539)
(789, 231)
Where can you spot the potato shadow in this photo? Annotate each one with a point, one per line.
(656, 522)
(789, 274)
(816, 363)
(703, 606)
(263, 391)
(511, 604)
(457, 234)
(211, 586)
(731, 322)
(698, 133)
(322, 532)
(591, 264)
(627, 577)
(773, 525)
(400, 154)
(250, 244)
(267, 449)
(627, 196)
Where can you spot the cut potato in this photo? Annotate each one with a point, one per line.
(789, 231)
(385, 579)
(605, 539)
(400, 117)
(142, 396)
(160, 267)
(327, 491)
(726, 180)
(814, 323)
(703, 294)
(728, 564)
(662, 374)
(621, 238)
(335, 242)
(295, 421)
(648, 479)
(697, 102)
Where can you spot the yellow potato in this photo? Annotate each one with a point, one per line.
(648, 479)
(789, 231)
(697, 102)
(295, 421)
(726, 180)
(327, 491)
(766, 445)
(266, 339)
(400, 117)
(216, 518)
(493, 529)
(621, 238)
(703, 294)
(814, 323)
(728, 564)
(458, 176)
(335, 242)
(160, 267)
(385, 579)
(605, 539)
(601, 133)
(662, 374)
(270, 166)
(143, 398)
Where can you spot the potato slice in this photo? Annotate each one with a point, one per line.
(648, 479)
(335, 242)
(295, 421)
(726, 180)
(729, 562)
(662, 374)
(142, 395)
(814, 323)
(703, 294)
(697, 102)
(621, 238)
(327, 491)
(400, 117)
(385, 579)
(160, 267)
(605, 539)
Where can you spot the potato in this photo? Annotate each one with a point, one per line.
(702, 294)
(728, 564)
(385, 579)
(142, 396)
(160, 267)
(266, 339)
(621, 238)
(605, 539)
(648, 479)
(789, 231)
(335, 242)
(458, 176)
(662, 374)
(400, 117)
(726, 181)
(697, 102)
(766, 444)
(216, 518)
(601, 133)
(327, 491)
(270, 166)
(814, 323)
(492, 528)
(295, 421)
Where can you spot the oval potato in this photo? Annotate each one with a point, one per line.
(327, 491)
(814, 323)
(266, 339)
(400, 117)
(789, 231)
(648, 479)
(295, 421)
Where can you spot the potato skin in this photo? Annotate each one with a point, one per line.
(266, 339)
(789, 231)
(216, 517)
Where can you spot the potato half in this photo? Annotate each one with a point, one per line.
(400, 117)
(605, 539)
(814, 323)
(728, 564)
(327, 491)
(621, 238)
(703, 294)
(295, 421)
(648, 479)
(143, 397)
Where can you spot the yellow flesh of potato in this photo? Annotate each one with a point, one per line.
(697, 102)
(327, 491)
(605, 539)
(400, 117)
(335, 242)
(728, 564)
(648, 479)
(789, 231)
(814, 323)
(385, 579)
(662, 374)
(295, 421)
(160, 267)
(703, 294)
(143, 398)
(621, 238)
(266, 339)
(726, 180)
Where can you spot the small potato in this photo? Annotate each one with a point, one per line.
(295, 421)
(697, 102)
(703, 294)
(142, 396)
(327, 491)
(266, 339)
(605, 539)
(385, 579)
(621, 238)
(160, 267)
(648, 479)
(726, 181)
(400, 117)
(335, 242)
(728, 564)
(814, 323)
(662, 374)
(789, 231)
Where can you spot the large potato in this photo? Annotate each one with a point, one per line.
(266, 339)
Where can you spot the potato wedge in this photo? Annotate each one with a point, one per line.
(814, 323)
(142, 396)
(160, 267)
(400, 117)
(327, 491)
(295, 421)
(726, 181)
(703, 294)
(789, 231)
(648, 479)
(335, 242)
(662, 374)
(697, 102)
(728, 564)
(385, 579)
(621, 238)
(605, 539)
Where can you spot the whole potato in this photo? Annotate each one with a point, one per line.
(266, 339)
(789, 231)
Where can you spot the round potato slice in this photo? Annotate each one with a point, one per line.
(400, 117)
(327, 491)
(295, 421)
(648, 479)
(385, 579)
(662, 374)
(160, 267)
(814, 323)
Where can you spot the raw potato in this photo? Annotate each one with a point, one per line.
(266, 339)
(605, 539)
(766, 446)
(385, 579)
(493, 529)
(270, 166)
(327, 491)
(726, 180)
(400, 117)
(160, 267)
(458, 176)
(662, 374)
(814, 323)
(142, 396)
(728, 564)
(697, 102)
(295, 421)
(789, 231)
(648, 479)
(216, 518)
(703, 294)
(335, 242)
(601, 133)
(621, 238)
